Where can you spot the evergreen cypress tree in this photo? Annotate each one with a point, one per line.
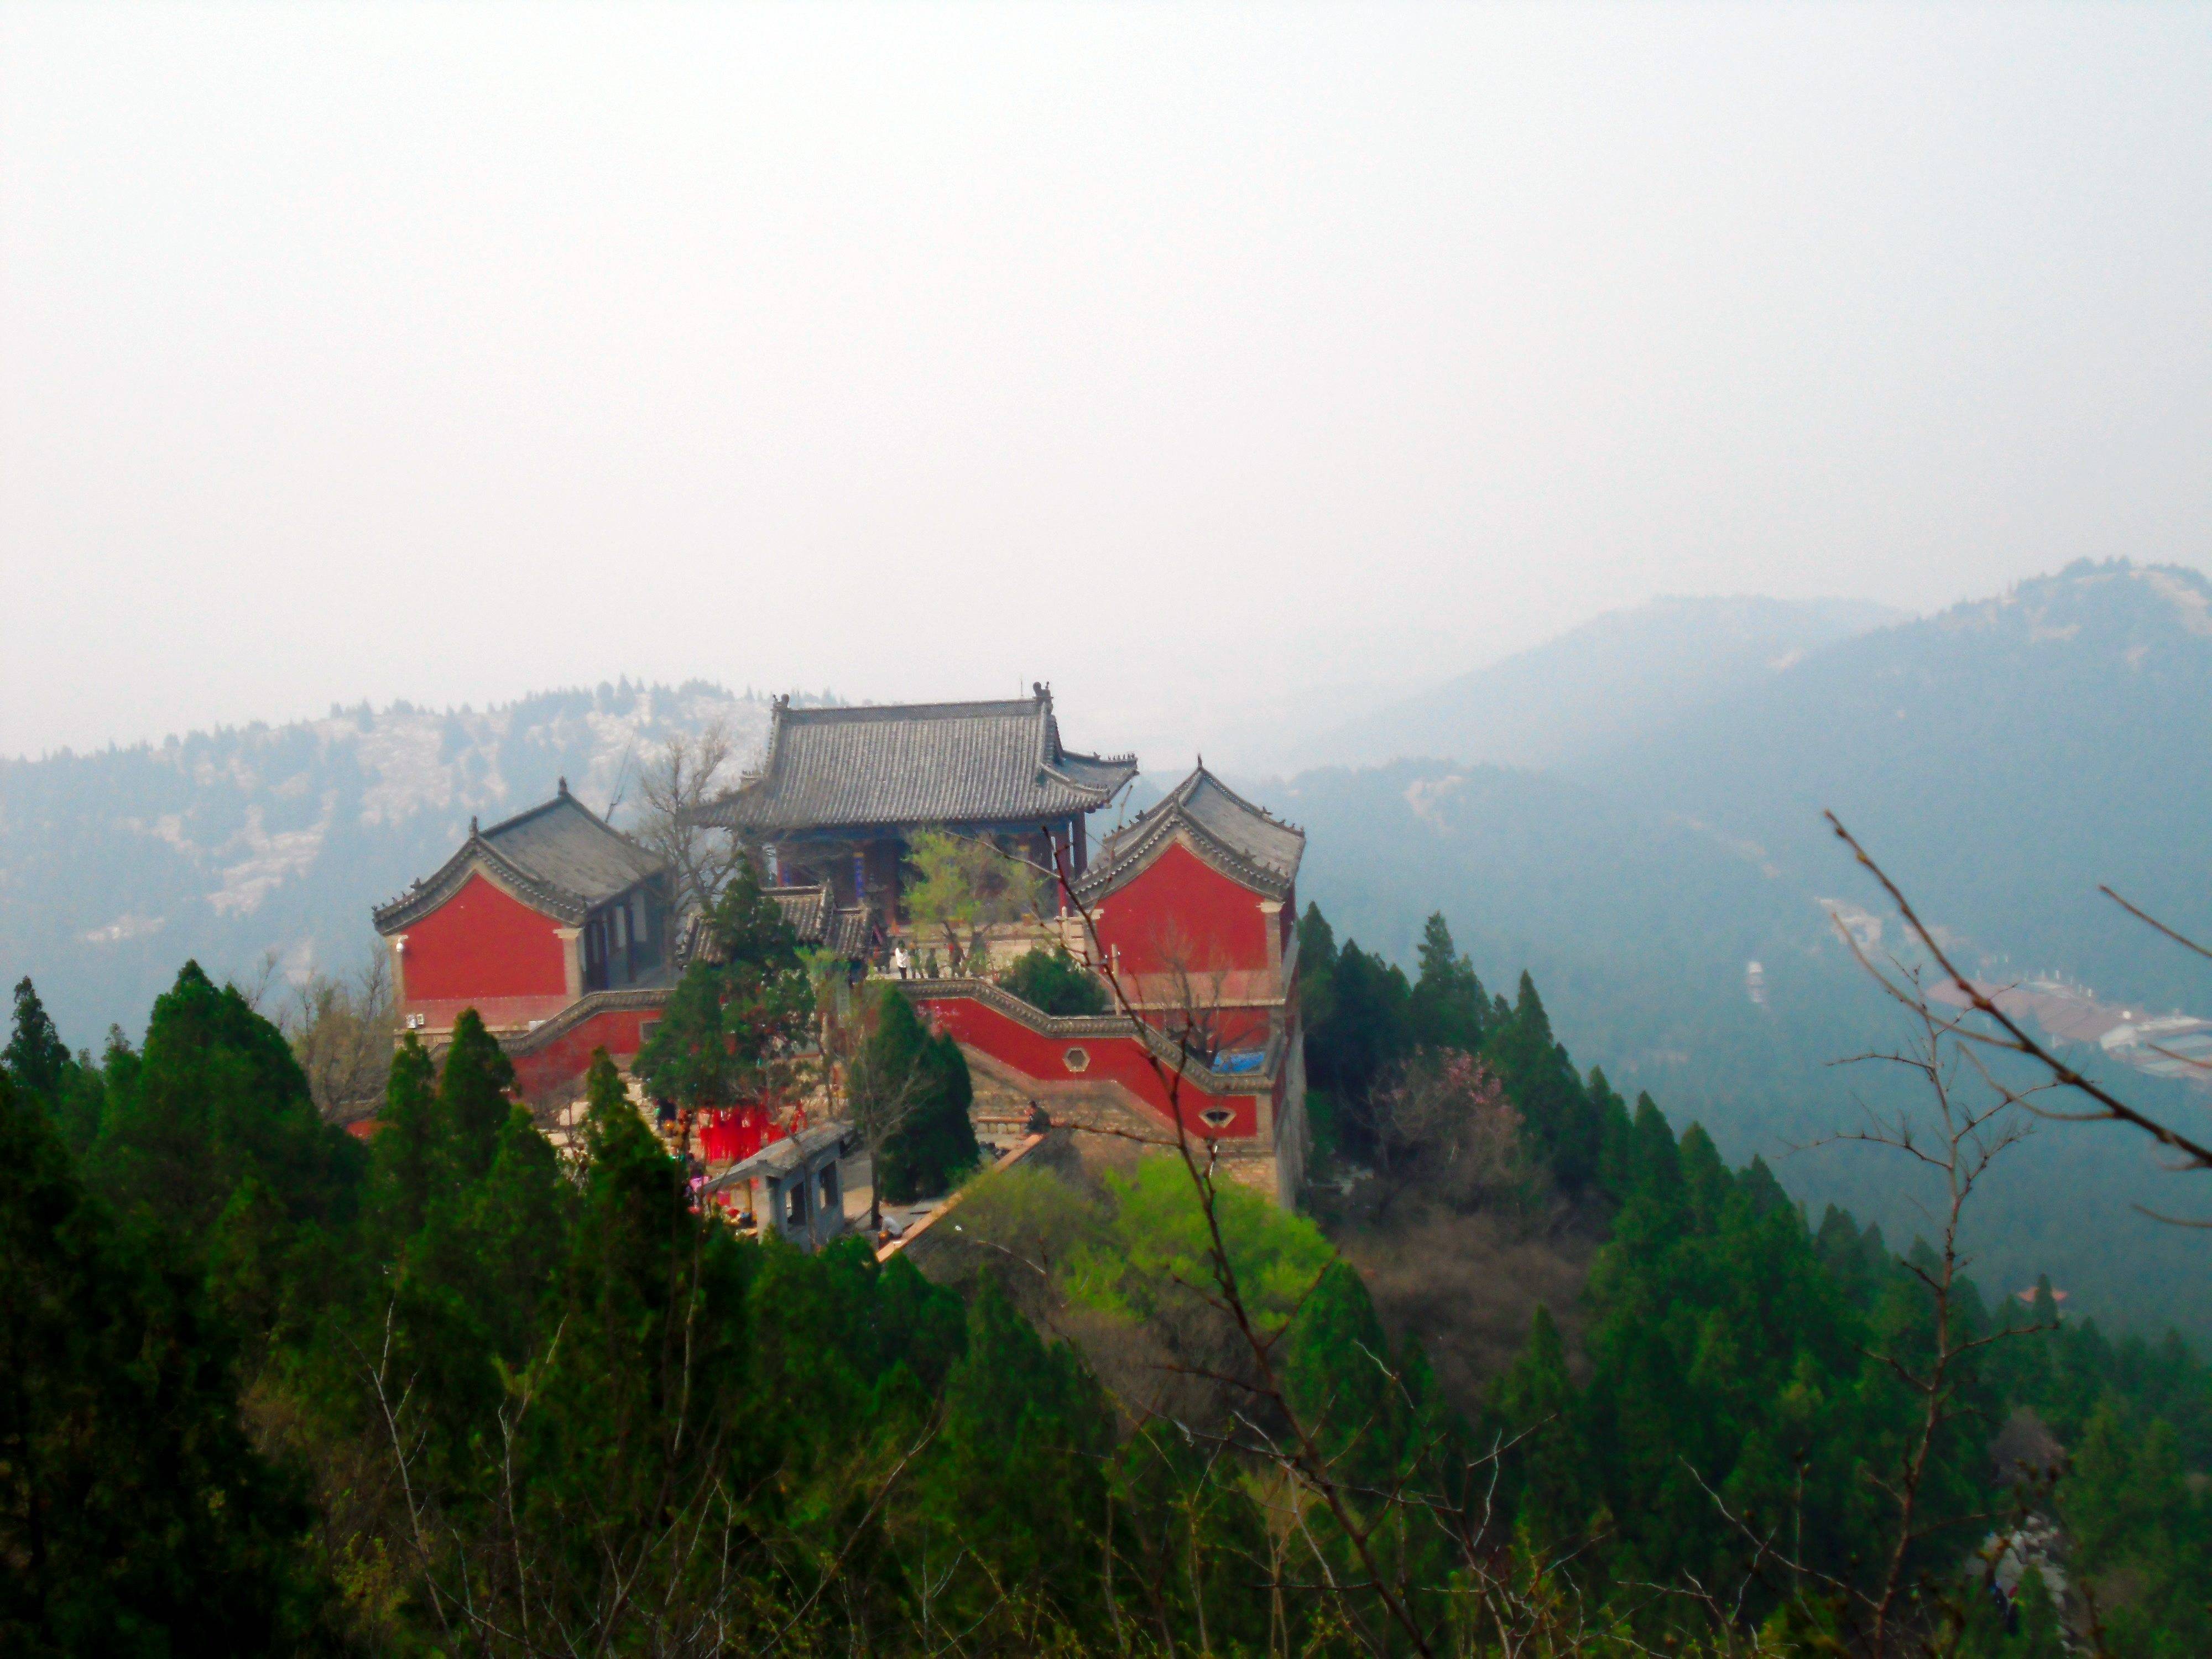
(135, 1516)
(408, 1156)
(1535, 1403)
(216, 1096)
(1541, 1080)
(1448, 1008)
(934, 1143)
(473, 1095)
(36, 1057)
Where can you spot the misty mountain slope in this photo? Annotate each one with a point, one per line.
(116, 867)
(2001, 759)
(1618, 676)
(1639, 930)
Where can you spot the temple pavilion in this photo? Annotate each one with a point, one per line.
(841, 793)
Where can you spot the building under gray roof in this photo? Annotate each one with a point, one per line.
(816, 918)
(1249, 841)
(873, 768)
(562, 857)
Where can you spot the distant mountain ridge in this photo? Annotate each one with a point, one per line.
(2001, 759)
(116, 865)
(1608, 681)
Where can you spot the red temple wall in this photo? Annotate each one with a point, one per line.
(1180, 912)
(1113, 1060)
(568, 1056)
(482, 943)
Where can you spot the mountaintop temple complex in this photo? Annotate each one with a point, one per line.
(561, 933)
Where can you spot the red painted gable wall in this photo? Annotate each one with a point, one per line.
(560, 1063)
(1182, 913)
(482, 943)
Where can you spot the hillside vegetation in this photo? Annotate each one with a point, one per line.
(274, 1391)
(2002, 759)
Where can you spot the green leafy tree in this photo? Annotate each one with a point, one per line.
(958, 885)
(1054, 982)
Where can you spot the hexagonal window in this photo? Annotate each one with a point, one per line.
(1216, 1117)
(1076, 1060)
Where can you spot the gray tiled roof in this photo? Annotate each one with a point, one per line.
(562, 856)
(779, 1157)
(566, 843)
(945, 762)
(1243, 839)
(814, 919)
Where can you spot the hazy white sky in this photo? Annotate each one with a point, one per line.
(1188, 356)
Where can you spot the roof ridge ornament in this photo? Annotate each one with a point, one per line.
(564, 783)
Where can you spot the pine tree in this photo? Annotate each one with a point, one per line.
(1365, 1029)
(1540, 1081)
(1020, 1483)
(1448, 1008)
(924, 1076)
(733, 1027)
(1535, 1403)
(474, 1095)
(640, 1407)
(36, 1057)
(1616, 1138)
(135, 1516)
(215, 1096)
(408, 1156)
(71, 1090)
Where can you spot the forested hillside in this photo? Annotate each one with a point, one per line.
(2002, 759)
(274, 1391)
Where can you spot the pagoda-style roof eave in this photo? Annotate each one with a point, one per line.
(1133, 850)
(477, 856)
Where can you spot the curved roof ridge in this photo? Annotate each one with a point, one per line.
(1001, 761)
(448, 878)
(1244, 840)
(563, 873)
